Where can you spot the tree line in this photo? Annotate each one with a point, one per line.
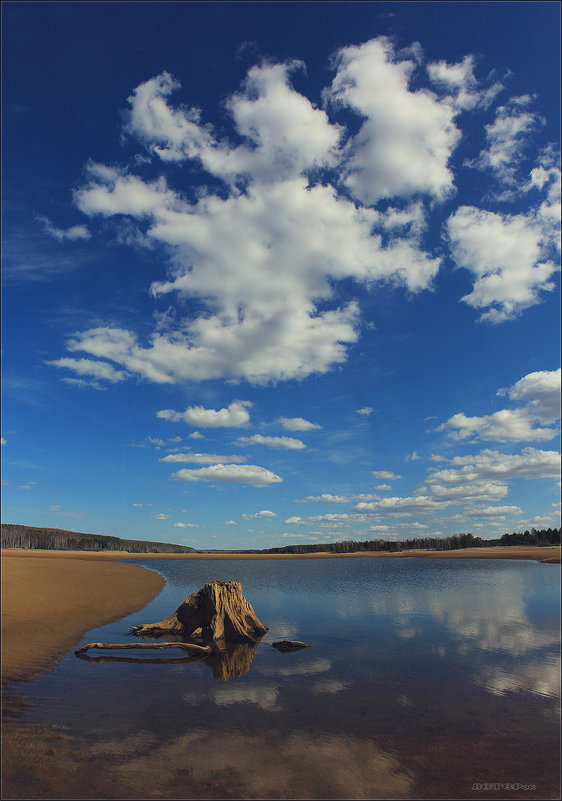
(15, 535)
(549, 536)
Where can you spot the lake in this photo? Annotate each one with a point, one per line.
(425, 678)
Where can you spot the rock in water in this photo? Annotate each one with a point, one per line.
(290, 645)
(216, 615)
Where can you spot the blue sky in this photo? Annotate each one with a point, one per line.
(281, 272)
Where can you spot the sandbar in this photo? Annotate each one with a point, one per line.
(48, 604)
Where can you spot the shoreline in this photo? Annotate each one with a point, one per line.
(67, 593)
(48, 605)
(541, 553)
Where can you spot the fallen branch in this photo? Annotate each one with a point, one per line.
(186, 646)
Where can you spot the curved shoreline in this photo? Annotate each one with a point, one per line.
(50, 599)
(49, 604)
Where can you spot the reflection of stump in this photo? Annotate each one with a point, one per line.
(233, 662)
(216, 615)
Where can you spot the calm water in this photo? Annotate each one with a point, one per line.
(424, 677)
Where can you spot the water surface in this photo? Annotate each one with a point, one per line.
(424, 678)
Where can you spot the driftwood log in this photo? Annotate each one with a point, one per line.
(215, 616)
(186, 646)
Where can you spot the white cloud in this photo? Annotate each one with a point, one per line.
(89, 367)
(459, 84)
(196, 435)
(506, 138)
(326, 497)
(509, 256)
(235, 416)
(201, 458)
(281, 443)
(297, 424)
(507, 425)
(383, 487)
(404, 507)
(485, 476)
(408, 137)
(412, 457)
(265, 513)
(186, 525)
(230, 523)
(385, 474)
(366, 410)
(540, 389)
(160, 516)
(72, 234)
(230, 474)
(263, 259)
(493, 511)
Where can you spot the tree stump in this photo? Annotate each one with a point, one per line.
(216, 615)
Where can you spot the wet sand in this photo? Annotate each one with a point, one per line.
(48, 604)
(50, 599)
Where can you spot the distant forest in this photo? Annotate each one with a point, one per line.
(548, 536)
(31, 537)
(55, 539)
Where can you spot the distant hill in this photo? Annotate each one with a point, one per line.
(15, 535)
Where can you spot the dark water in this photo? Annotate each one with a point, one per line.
(424, 678)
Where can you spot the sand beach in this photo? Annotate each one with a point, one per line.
(82, 590)
(51, 599)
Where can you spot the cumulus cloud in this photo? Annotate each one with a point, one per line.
(201, 458)
(385, 474)
(404, 145)
(366, 410)
(280, 443)
(60, 234)
(459, 85)
(262, 255)
(186, 525)
(234, 416)
(297, 424)
(230, 474)
(485, 476)
(510, 257)
(404, 507)
(263, 259)
(265, 513)
(506, 138)
(541, 391)
(101, 370)
(160, 516)
(327, 497)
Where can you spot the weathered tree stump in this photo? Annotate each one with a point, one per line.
(216, 615)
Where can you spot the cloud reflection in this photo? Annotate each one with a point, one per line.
(269, 766)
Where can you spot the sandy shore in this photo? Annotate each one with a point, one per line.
(48, 604)
(548, 553)
(50, 599)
